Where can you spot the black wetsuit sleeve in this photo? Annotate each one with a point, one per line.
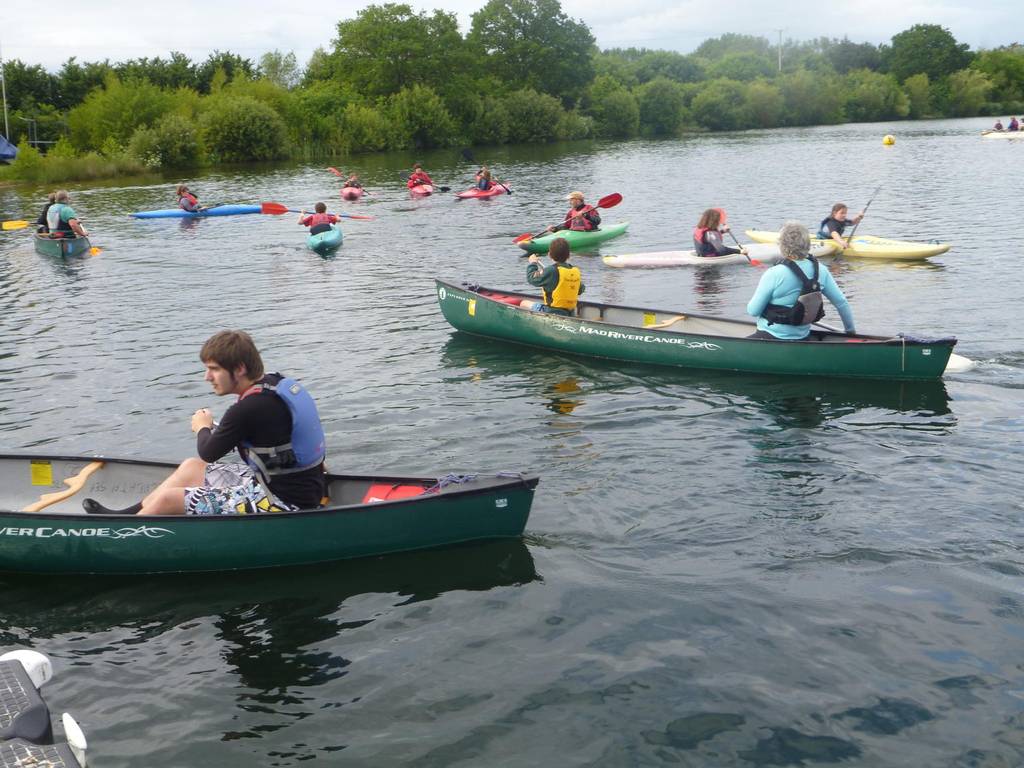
(214, 444)
(714, 239)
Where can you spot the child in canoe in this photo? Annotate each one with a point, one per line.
(318, 222)
(560, 283)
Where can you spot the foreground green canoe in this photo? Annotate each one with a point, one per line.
(664, 337)
(365, 516)
(62, 247)
(577, 240)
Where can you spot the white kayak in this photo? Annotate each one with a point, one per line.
(766, 253)
(1002, 134)
(868, 246)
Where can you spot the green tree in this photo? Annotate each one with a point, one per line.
(846, 56)
(365, 129)
(872, 96)
(1005, 68)
(615, 110)
(27, 86)
(233, 67)
(811, 98)
(282, 69)
(968, 91)
(419, 119)
(662, 107)
(719, 47)
(75, 81)
(240, 128)
(674, 66)
(116, 111)
(388, 47)
(721, 105)
(532, 117)
(176, 72)
(744, 66)
(172, 143)
(926, 48)
(533, 44)
(919, 98)
(765, 104)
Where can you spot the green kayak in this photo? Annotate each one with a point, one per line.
(577, 240)
(325, 242)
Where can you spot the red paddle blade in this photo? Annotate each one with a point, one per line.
(523, 238)
(354, 216)
(609, 201)
(335, 171)
(754, 262)
(273, 208)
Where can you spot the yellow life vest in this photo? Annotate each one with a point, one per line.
(567, 291)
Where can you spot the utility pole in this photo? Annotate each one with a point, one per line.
(780, 31)
(3, 89)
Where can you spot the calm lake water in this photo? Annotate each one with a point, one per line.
(719, 569)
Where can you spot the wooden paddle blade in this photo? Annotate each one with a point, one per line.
(335, 171)
(609, 201)
(9, 225)
(275, 209)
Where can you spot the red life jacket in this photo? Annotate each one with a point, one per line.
(582, 223)
(188, 202)
(700, 244)
(419, 177)
(315, 219)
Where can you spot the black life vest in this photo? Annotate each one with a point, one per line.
(809, 307)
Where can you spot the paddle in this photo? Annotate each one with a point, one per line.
(863, 211)
(9, 225)
(405, 177)
(608, 201)
(277, 209)
(753, 262)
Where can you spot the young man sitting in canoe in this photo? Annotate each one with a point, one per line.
(788, 298)
(581, 217)
(560, 283)
(318, 222)
(61, 219)
(833, 225)
(273, 425)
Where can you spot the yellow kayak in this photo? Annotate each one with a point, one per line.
(869, 246)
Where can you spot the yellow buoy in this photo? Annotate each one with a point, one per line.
(888, 139)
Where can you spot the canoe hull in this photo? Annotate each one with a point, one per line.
(577, 240)
(869, 246)
(421, 190)
(62, 539)
(686, 341)
(62, 247)
(351, 193)
(325, 242)
(1002, 134)
(178, 213)
(480, 194)
(763, 252)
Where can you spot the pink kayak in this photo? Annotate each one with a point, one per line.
(351, 193)
(497, 189)
(421, 190)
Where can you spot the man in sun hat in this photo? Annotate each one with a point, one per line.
(581, 217)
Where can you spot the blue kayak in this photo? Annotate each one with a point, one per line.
(179, 213)
(325, 242)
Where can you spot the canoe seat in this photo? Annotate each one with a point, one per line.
(74, 485)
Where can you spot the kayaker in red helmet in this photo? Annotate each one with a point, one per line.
(707, 235)
(419, 176)
(581, 217)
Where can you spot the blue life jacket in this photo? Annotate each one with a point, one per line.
(307, 447)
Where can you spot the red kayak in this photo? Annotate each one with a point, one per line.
(494, 191)
(351, 193)
(421, 190)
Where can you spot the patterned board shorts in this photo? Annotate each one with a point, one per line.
(231, 489)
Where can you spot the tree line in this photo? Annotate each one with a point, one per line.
(524, 72)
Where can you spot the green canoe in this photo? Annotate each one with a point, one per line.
(364, 516)
(664, 337)
(577, 240)
(62, 247)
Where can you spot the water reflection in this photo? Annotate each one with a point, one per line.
(708, 287)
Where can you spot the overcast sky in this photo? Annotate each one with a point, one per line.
(121, 30)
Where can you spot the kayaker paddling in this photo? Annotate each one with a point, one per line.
(833, 226)
(560, 283)
(188, 201)
(788, 298)
(61, 219)
(707, 235)
(319, 221)
(580, 217)
(483, 178)
(273, 425)
(418, 177)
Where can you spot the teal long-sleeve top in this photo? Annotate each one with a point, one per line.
(780, 286)
(546, 277)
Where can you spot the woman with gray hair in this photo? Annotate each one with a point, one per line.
(788, 298)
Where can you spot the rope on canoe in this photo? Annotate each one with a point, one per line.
(454, 479)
